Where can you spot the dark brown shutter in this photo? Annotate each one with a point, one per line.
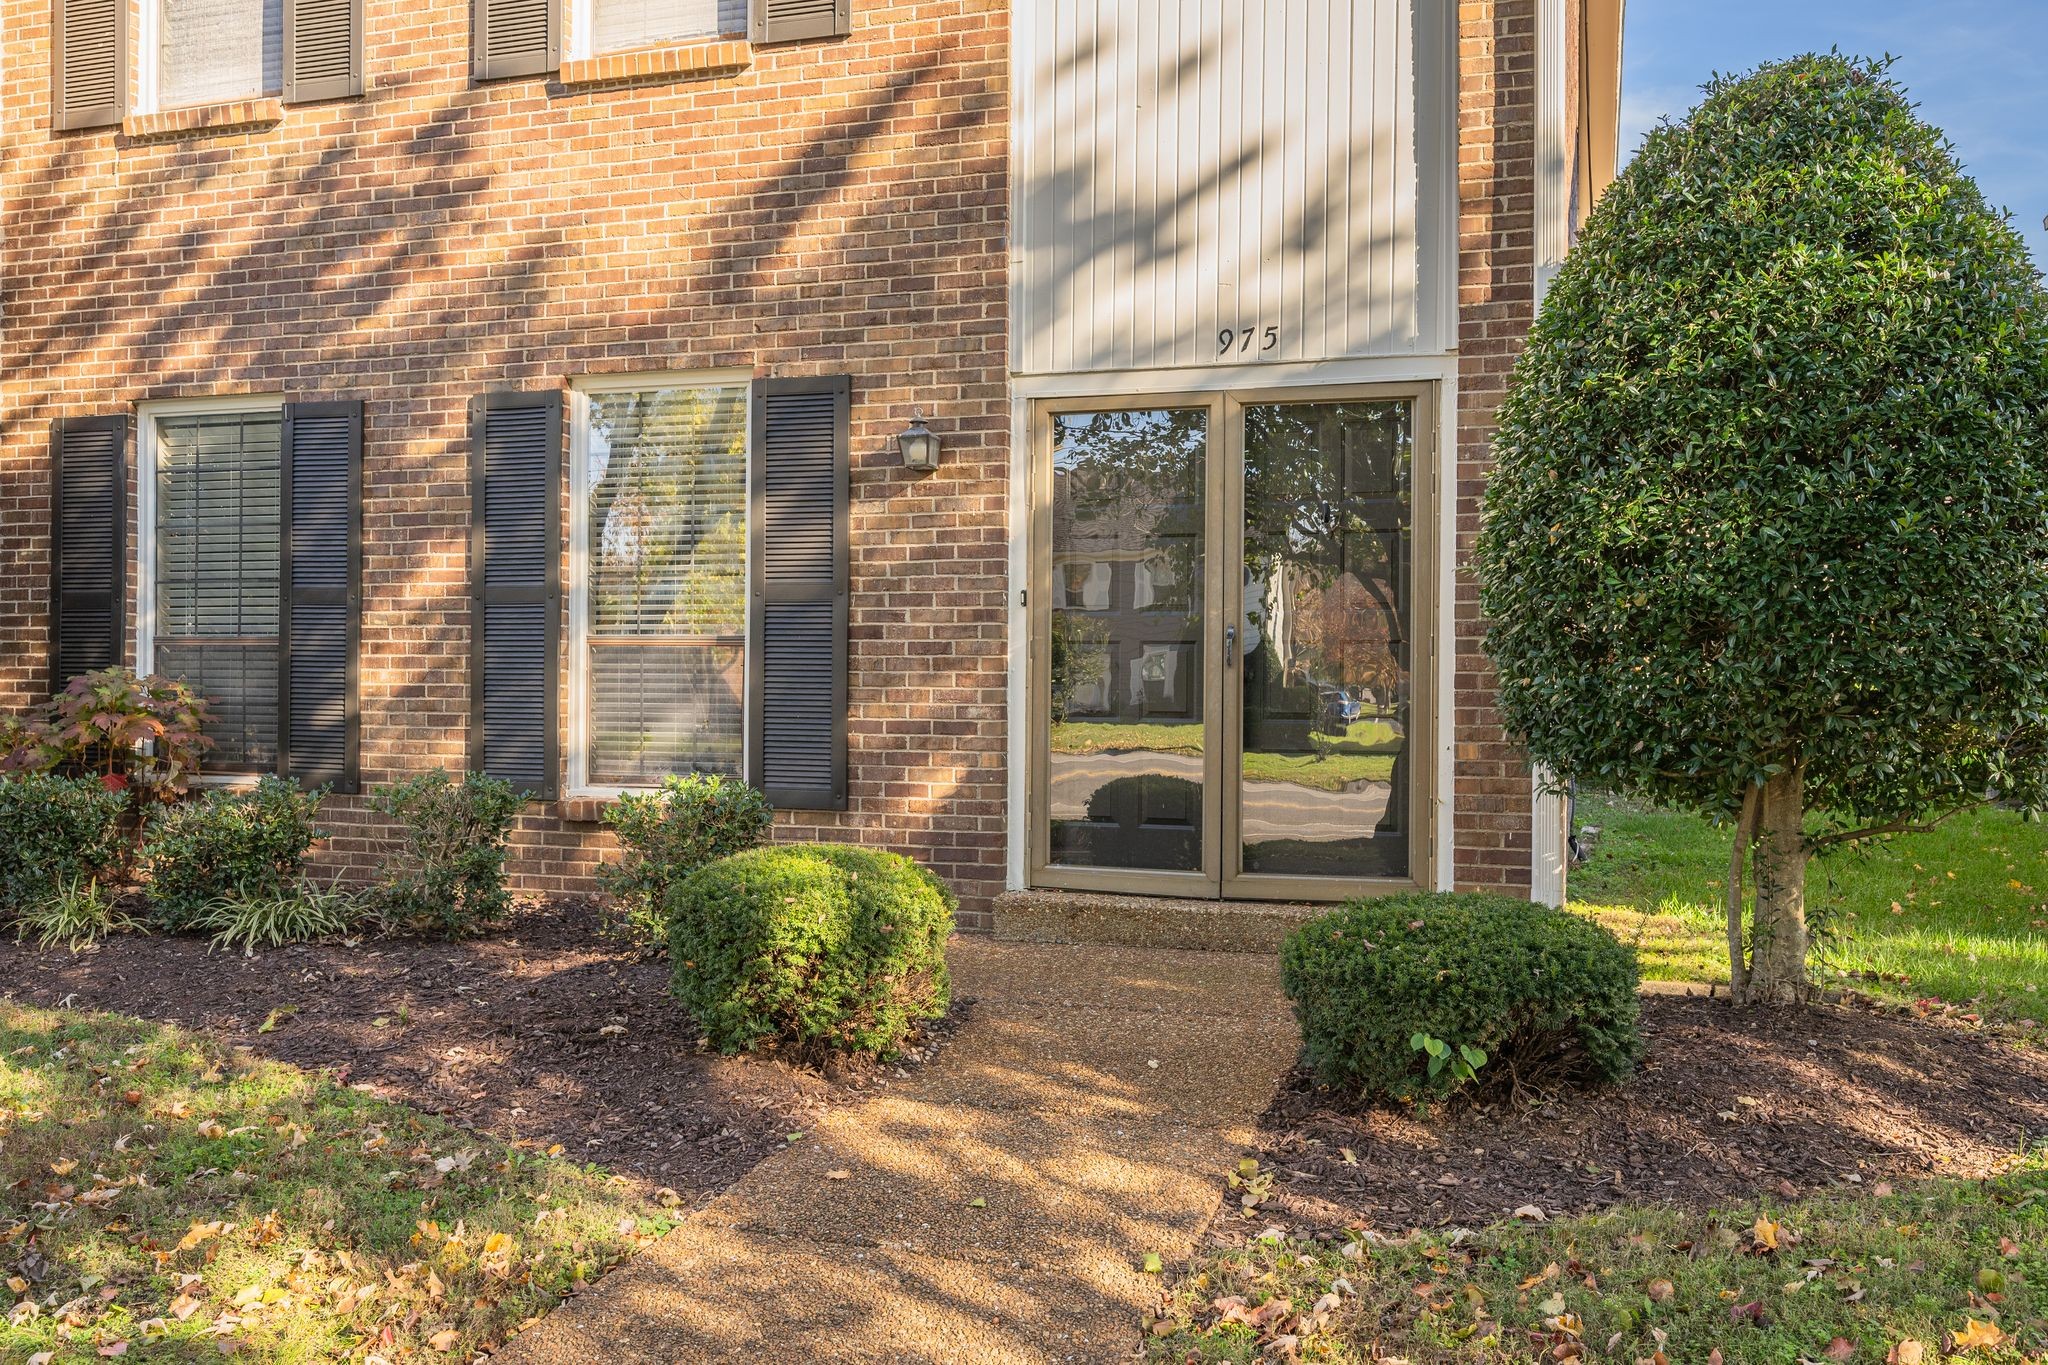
(89, 62)
(797, 521)
(320, 627)
(514, 38)
(789, 21)
(323, 49)
(515, 587)
(88, 545)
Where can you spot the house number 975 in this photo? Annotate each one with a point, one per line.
(1240, 340)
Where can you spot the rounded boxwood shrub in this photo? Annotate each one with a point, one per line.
(820, 946)
(1385, 987)
(229, 845)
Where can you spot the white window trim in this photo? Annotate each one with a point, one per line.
(146, 417)
(580, 391)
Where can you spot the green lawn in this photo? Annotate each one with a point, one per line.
(1947, 1266)
(1959, 915)
(163, 1199)
(1364, 754)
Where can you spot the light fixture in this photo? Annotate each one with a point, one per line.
(919, 447)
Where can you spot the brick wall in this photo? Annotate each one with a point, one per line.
(830, 207)
(1490, 798)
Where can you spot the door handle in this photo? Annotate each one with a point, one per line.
(1229, 646)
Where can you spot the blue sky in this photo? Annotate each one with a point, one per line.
(1977, 68)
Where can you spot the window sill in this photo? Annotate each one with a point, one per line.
(204, 118)
(583, 810)
(682, 61)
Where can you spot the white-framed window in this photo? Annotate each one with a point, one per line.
(210, 51)
(209, 481)
(601, 26)
(658, 577)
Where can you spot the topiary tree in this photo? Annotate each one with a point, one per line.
(1769, 531)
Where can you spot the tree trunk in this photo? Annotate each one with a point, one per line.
(1778, 934)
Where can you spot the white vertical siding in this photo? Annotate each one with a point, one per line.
(1190, 166)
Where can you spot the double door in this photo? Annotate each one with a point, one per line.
(1230, 597)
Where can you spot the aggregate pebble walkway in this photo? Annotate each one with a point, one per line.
(996, 1208)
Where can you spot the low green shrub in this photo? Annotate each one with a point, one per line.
(819, 946)
(448, 877)
(76, 913)
(55, 832)
(665, 835)
(240, 844)
(1392, 993)
(297, 914)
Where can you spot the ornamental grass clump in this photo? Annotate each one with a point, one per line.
(819, 947)
(1768, 533)
(1418, 996)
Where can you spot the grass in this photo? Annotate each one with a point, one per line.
(1959, 915)
(164, 1199)
(1867, 1278)
(1364, 754)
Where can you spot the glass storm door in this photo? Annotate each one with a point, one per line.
(1225, 601)
(1128, 678)
(1324, 696)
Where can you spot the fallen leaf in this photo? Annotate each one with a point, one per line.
(1766, 1234)
(64, 1167)
(1153, 1264)
(839, 1175)
(114, 1348)
(1841, 1348)
(1660, 1291)
(1975, 1335)
(977, 1203)
(1907, 1352)
(445, 1339)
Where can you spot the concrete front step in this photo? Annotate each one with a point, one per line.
(1044, 916)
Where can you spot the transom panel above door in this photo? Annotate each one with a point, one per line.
(1231, 674)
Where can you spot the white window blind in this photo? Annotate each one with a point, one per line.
(217, 574)
(211, 51)
(665, 502)
(618, 25)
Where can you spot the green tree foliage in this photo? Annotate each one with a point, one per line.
(1769, 532)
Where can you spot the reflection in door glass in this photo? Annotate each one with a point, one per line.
(1328, 609)
(1125, 771)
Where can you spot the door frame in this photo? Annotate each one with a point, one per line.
(1221, 875)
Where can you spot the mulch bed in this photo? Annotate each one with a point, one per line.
(1729, 1105)
(544, 1031)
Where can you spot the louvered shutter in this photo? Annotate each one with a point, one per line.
(88, 545)
(515, 586)
(789, 21)
(514, 38)
(320, 626)
(797, 623)
(89, 62)
(323, 49)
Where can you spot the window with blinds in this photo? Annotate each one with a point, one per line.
(619, 25)
(664, 502)
(214, 51)
(217, 574)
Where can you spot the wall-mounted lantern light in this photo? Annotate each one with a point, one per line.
(919, 447)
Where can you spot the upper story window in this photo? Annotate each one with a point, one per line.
(620, 25)
(213, 51)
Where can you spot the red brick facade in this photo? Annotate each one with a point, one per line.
(1490, 795)
(828, 207)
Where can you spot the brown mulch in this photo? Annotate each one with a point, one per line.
(1729, 1105)
(544, 1031)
